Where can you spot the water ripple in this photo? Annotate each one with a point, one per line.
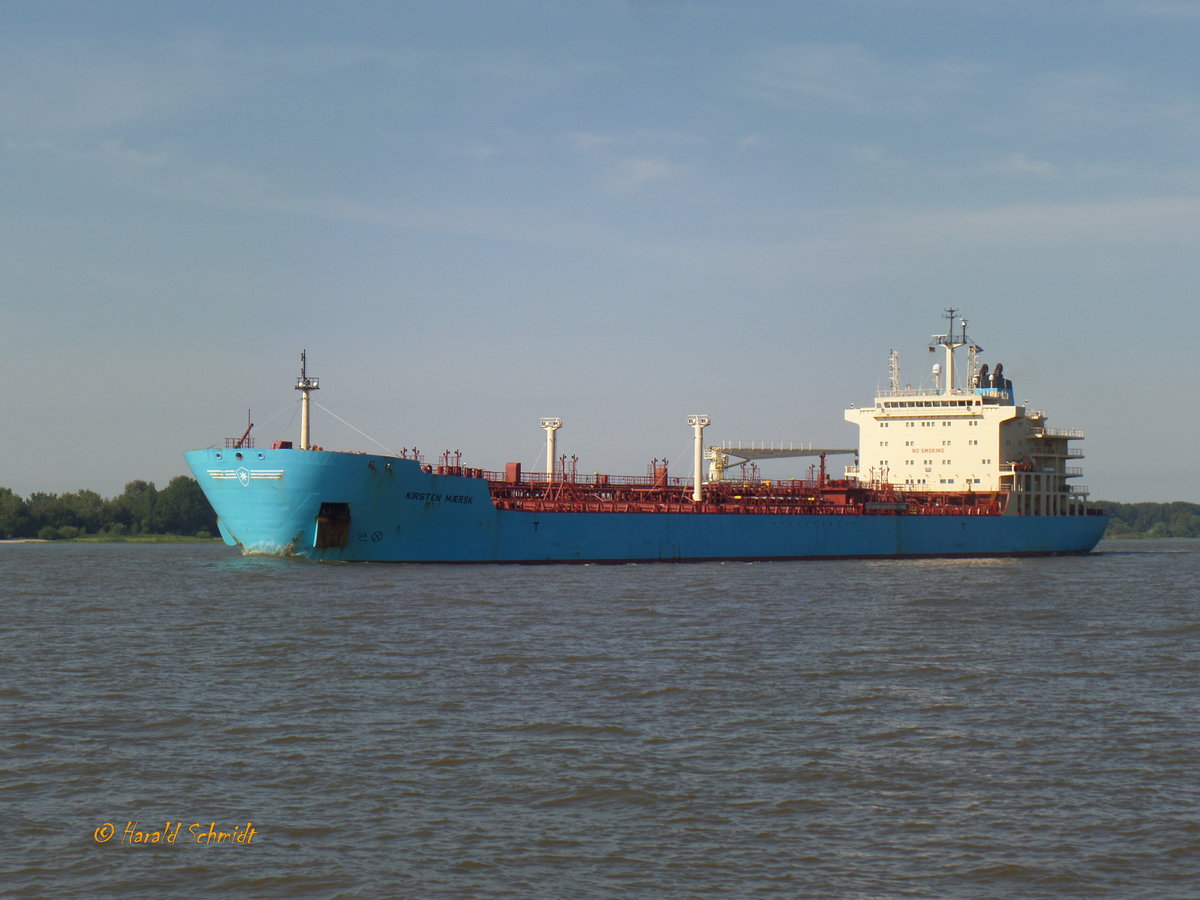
(918, 728)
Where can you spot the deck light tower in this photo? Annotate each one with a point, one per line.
(305, 385)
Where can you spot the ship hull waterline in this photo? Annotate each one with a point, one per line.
(272, 502)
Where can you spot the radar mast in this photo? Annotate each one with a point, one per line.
(951, 342)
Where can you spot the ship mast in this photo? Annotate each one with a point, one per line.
(551, 424)
(305, 385)
(698, 424)
(951, 342)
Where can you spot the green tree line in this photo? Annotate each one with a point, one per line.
(1152, 520)
(178, 509)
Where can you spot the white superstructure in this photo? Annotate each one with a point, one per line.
(973, 437)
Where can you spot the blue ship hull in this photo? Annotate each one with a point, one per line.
(352, 507)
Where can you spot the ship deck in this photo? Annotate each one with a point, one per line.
(661, 493)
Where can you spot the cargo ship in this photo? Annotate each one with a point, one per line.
(955, 468)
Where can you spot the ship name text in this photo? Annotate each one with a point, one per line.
(433, 497)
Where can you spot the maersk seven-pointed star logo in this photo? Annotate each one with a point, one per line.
(244, 475)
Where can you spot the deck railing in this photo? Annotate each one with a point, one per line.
(1071, 433)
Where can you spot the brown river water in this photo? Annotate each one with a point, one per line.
(181, 721)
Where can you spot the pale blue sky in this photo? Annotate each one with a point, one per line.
(476, 214)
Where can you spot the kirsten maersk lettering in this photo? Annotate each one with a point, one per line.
(432, 497)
